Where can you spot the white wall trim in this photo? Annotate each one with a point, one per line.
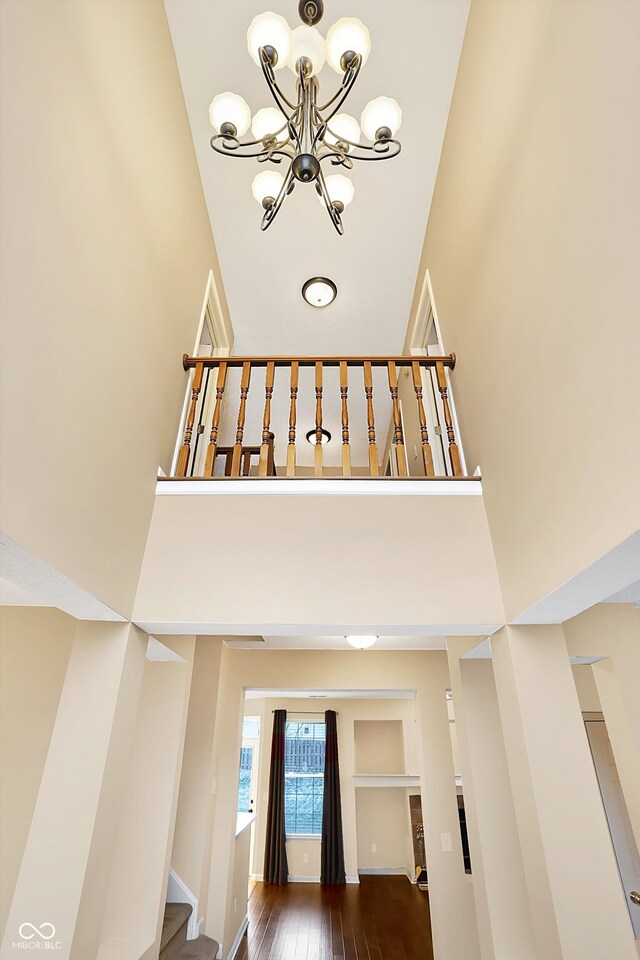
(279, 486)
(178, 892)
(238, 940)
(28, 572)
(386, 872)
(386, 780)
(224, 335)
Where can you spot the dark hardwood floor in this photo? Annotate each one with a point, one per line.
(382, 918)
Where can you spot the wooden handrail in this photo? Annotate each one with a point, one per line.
(424, 388)
(404, 361)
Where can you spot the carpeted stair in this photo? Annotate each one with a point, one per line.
(173, 942)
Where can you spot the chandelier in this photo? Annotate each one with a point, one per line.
(303, 133)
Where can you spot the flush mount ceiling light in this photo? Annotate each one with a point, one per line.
(300, 131)
(319, 291)
(361, 643)
(312, 437)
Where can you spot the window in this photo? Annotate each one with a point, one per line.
(248, 756)
(304, 777)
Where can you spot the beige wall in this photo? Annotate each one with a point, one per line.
(396, 554)
(532, 245)
(34, 652)
(379, 746)
(134, 904)
(106, 253)
(195, 799)
(382, 820)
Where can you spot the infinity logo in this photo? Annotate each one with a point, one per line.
(39, 931)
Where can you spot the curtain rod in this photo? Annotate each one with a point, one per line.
(311, 713)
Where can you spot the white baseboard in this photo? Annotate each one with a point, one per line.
(387, 872)
(239, 935)
(178, 892)
(259, 878)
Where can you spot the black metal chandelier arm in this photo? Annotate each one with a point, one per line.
(345, 88)
(332, 210)
(271, 211)
(238, 149)
(384, 149)
(276, 92)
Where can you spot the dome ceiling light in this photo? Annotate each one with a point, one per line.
(361, 643)
(300, 132)
(312, 436)
(319, 291)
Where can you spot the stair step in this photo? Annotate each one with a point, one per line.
(202, 948)
(174, 929)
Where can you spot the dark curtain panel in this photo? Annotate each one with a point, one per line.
(276, 869)
(332, 851)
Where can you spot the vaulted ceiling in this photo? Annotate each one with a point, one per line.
(416, 48)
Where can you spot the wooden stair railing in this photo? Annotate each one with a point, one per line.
(238, 457)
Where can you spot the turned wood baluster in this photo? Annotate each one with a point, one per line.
(215, 422)
(266, 422)
(317, 455)
(244, 390)
(185, 449)
(371, 423)
(346, 449)
(291, 449)
(454, 453)
(427, 457)
(398, 438)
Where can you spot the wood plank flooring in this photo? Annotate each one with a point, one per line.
(382, 918)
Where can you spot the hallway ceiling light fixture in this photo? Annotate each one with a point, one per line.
(319, 291)
(301, 131)
(312, 437)
(361, 643)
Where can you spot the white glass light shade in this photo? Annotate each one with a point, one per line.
(230, 108)
(319, 291)
(382, 112)
(342, 127)
(361, 643)
(267, 122)
(267, 184)
(307, 42)
(339, 189)
(269, 30)
(349, 33)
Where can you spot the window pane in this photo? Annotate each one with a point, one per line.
(304, 776)
(244, 781)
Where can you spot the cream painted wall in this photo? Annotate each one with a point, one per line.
(238, 890)
(612, 630)
(358, 721)
(533, 245)
(379, 746)
(134, 907)
(107, 249)
(35, 643)
(195, 800)
(423, 540)
(382, 820)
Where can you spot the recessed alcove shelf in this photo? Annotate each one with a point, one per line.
(386, 780)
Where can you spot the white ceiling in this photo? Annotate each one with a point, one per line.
(415, 52)
(330, 694)
(335, 643)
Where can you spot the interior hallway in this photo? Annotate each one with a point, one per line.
(382, 918)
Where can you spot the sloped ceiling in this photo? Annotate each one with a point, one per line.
(416, 47)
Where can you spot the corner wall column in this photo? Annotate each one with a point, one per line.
(64, 874)
(453, 915)
(577, 903)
